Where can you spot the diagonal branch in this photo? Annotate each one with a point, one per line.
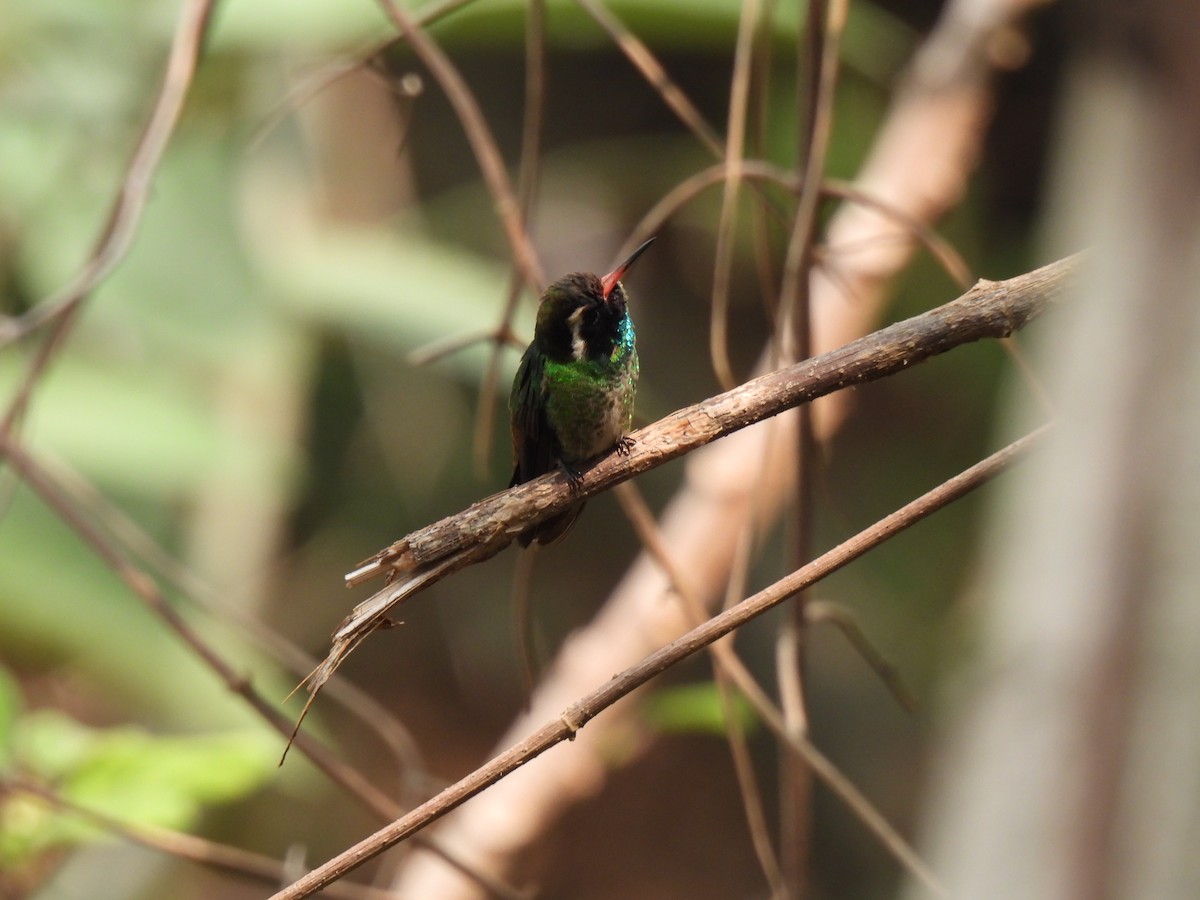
(988, 310)
(991, 309)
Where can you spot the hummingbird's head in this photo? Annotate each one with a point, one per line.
(580, 315)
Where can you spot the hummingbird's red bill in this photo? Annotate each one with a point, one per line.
(609, 281)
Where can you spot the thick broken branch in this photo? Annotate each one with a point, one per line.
(991, 309)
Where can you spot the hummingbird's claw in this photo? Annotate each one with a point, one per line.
(625, 445)
(573, 476)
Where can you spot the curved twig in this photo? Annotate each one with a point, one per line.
(182, 846)
(735, 151)
(942, 251)
(126, 214)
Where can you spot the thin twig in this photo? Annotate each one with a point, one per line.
(119, 229)
(760, 84)
(652, 222)
(147, 590)
(479, 135)
(735, 151)
(328, 75)
(654, 73)
(817, 53)
(527, 184)
(818, 611)
(443, 347)
(678, 102)
(794, 286)
(132, 540)
(943, 252)
(582, 711)
(123, 219)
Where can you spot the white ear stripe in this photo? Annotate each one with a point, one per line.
(578, 345)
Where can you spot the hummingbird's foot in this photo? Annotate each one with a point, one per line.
(573, 476)
(625, 445)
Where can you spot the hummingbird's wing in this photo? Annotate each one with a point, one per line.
(534, 443)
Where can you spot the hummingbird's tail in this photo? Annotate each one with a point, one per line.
(551, 530)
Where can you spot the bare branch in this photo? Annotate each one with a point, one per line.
(819, 63)
(757, 170)
(136, 544)
(527, 184)
(328, 75)
(991, 309)
(117, 235)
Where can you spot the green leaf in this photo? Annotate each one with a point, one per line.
(166, 781)
(128, 774)
(51, 745)
(696, 708)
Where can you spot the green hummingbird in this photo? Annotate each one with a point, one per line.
(572, 397)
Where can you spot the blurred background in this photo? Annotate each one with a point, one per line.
(238, 406)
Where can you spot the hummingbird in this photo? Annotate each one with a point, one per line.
(572, 397)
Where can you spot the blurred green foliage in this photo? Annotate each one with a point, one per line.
(239, 387)
(697, 708)
(124, 773)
